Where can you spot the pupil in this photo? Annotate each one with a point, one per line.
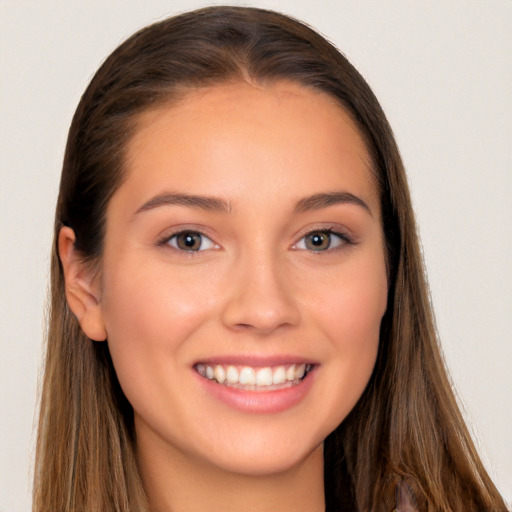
(319, 241)
(189, 241)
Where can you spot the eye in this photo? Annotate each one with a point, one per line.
(321, 240)
(190, 241)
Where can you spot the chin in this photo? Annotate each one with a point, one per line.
(270, 464)
(261, 455)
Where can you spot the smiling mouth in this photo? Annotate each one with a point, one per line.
(251, 378)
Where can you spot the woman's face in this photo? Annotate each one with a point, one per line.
(244, 249)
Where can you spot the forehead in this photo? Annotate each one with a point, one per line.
(234, 137)
(247, 105)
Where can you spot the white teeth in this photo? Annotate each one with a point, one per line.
(232, 375)
(254, 377)
(279, 375)
(247, 376)
(264, 377)
(300, 371)
(219, 374)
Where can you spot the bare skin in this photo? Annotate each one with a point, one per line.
(248, 234)
(195, 486)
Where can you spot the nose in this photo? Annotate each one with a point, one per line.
(260, 298)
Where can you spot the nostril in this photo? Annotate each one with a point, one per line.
(259, 301)
(260, 327)
(243, 326)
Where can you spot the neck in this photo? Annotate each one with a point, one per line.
(179, 483)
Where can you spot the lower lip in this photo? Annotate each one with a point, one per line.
(261, 402)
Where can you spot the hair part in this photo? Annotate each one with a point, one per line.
(405, 428)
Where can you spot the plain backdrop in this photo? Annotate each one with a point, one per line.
(442, 71)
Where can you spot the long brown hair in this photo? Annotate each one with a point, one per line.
(405, 428)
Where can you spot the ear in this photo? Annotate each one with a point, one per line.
(82, 286)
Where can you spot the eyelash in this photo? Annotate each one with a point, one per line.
(342, 239)
(192, 232)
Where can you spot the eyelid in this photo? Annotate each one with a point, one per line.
(169, 235)
(344, 236)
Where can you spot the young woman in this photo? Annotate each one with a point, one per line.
(239, 316)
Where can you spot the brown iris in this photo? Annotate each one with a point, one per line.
(318, 241)
(188, 241)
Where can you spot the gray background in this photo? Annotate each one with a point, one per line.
(442, 73)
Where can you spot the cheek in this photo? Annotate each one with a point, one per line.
(350, 314)
(152, 298)
(352, 306)
(149, 313)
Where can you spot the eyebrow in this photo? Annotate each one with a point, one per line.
(323, 200)
(215, 204)
(211, 204)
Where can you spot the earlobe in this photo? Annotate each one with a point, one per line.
(82, 287)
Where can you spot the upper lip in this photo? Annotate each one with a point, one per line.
(255, 360)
